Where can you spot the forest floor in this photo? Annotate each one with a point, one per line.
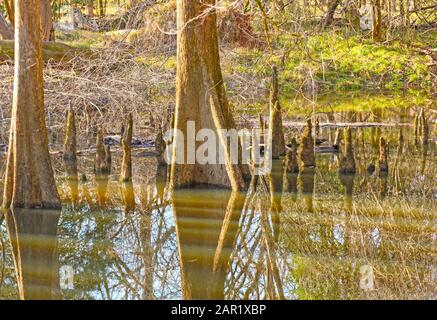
(319, 65)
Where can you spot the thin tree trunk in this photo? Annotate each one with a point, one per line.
(5, 29)
(101, 8)
(276, 131)
(402, 11)
(69, 156)
(7, 33)
(126, 143)
(9, 6)
(90, 7)
(377, 21)
(330, 14)
(46, 20)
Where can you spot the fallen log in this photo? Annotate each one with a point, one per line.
(54, 51)
(252, 123)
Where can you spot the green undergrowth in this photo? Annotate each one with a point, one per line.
(333, 61)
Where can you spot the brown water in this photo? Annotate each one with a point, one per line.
(319, 235)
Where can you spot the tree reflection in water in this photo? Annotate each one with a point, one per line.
(302, 236)
(33, 236)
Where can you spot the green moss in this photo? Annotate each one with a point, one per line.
(335, 62)
(81, 38)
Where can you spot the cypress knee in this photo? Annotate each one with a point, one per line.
(100, 165)
(276, 132)
(291, 164)
(160, 147)
(70, 145)
(70, 157)
(126, 144)
(305, 154)
(262, 129)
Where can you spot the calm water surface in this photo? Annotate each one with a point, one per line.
(318, 235)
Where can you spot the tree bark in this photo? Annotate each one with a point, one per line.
(90, 7)
(101, 8)
(330, 14)
(5, 29)
(46, 20)
(201, 96)
(377, 21)
(126, 144)
(29, 180)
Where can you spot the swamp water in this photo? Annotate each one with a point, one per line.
(319, 235)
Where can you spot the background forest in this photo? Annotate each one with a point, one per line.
(363, 71)
(122, 57)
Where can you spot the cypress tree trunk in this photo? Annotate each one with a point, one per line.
(30, 187)
(201, 96)
(29, 181)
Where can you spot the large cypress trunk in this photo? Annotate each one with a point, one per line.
(201, 95)
(29, 181)
(30, 187)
